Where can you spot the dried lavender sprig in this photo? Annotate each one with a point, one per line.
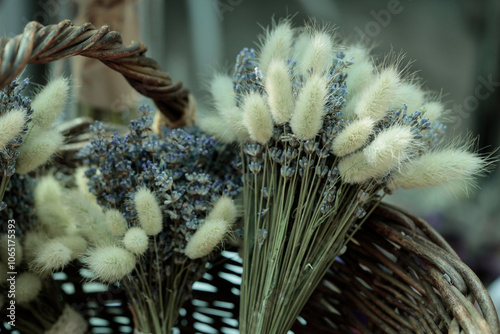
(187, 174)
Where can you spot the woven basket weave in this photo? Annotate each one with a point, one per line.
(397, 276)
(43, 44)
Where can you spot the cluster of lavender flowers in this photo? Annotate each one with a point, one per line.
(188, 172)
(15, 114)
(19, 200)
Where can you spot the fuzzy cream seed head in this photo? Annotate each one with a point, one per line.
(434, 111)
(257, 118)
(51, 213)
(221, 88)
(75, 243)
(51, 256)
(309, 109)
(88, 216)
(11, 125)
(438, 167)
(354, 168)
(234, 123)
(277, 44)
(353, 137)
(215, 126)
(148, 211)
(389, 148)
(376, 99)
(39, 146)
(207, 238)
(28, 286)
(110, 263)
(359, 76)
(279, 90)
(116, 223)
(32, 240)
(81, 181)
(136, 240)
(49, 102)
(224, 209)
(411, 95)
(317, 53)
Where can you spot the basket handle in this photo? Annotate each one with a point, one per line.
(43, 44)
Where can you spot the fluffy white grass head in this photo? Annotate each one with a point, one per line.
(81, 181)
(148, 211)
(89, 217)
(110, 263)
(411, 95)
(309, 108)
(136, 240)
(207, 238)
(439, 167)
(51, 213)
(279, 90)
(234, 122)
(11, 124)
(276, 44)
(376, 99)
(75, 243)
(31, 241)
(353, 137)
(116, 223)
(224, 209)
(389, 148)
(434, 111)
(47, 189)
(359, 75)
(215, 126)
(317, 53)
(49, 102)
(51, 256)
(257, 118)
(28, 286)
(6, 251)
(354, 168)
(222, 91)
(39, 146)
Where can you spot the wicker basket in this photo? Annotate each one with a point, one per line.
(43, 44)
(398, 275)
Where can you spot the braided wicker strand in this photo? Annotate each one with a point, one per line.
(43, 44)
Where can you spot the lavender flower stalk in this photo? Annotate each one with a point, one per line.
(165, 207)
(309, 170)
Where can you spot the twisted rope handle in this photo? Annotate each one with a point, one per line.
(43, 44)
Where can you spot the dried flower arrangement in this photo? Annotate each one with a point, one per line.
(306, 139)
(314, 160)
(43, 243)
(155, 226)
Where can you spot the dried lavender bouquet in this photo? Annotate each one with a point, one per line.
(158, 210)
(323, 131)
